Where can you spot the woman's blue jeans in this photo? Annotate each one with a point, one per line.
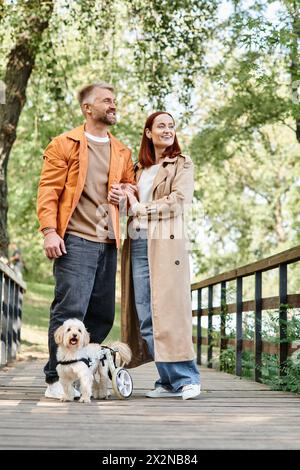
(172, 375)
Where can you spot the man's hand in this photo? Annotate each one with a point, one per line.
(121, 190)
(116, 194)
(54, 245)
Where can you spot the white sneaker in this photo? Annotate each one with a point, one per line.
(191, 391)
(55, 390)
(161, 392)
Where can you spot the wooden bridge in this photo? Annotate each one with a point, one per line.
(231, 413)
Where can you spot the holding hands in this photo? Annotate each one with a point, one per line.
(131, 192)
(121, 190)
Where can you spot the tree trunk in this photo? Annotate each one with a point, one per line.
(20, 64)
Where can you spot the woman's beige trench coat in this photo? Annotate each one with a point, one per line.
(172, 192)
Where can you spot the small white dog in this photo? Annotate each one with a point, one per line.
(78, 359)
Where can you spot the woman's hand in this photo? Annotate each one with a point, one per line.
(131, 191)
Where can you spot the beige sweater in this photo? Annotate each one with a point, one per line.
(90, 218)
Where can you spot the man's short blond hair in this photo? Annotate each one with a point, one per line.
(85, 94)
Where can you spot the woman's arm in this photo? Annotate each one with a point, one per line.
(173, 204)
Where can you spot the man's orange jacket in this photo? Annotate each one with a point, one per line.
(64, 174)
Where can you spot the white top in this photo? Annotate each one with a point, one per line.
(145, 183)
(95, 138)
(145, 186)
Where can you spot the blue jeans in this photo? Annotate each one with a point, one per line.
(84, 289)
(172, 375)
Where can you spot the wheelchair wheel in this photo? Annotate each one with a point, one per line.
(122, 383)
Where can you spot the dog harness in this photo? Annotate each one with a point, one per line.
(88, 362)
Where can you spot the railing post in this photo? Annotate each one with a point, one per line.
(223, 318)
(283, 351)
(258, 325)
(11, 295)
(199, 327)
(15, 321)
(4, 331)
(10, 321)
(209, 329)
(20, 302)
(239, 326)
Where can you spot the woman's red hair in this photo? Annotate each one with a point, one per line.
(146, 153)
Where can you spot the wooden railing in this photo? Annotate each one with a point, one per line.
(281, 302)
(11, 296)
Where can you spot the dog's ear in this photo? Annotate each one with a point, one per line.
(86, 338)
(59, 334)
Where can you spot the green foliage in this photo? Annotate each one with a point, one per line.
(290, 380)
(36, 305)
(246, 144)
(170, 45)
(247, 171)
(233, 76)
(89, 41)
(37, 301)
(227, 361)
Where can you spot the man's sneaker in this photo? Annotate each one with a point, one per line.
(191, 391)
(55, 390)
(161, 392)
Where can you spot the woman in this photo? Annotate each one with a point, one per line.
(156, 301)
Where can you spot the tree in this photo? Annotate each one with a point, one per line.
(246, 150)
(35, 15)
(117, 41)
(171, 42)
(248, 201)
(253, 30)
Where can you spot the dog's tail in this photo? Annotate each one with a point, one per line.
(123, 353)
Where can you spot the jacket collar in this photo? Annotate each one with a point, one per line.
(78, 134)
(165, 160)
(161, 174)
(170, 160)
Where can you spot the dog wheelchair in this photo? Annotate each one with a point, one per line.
(120, 378)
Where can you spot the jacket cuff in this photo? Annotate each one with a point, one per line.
(138, 209)
(151, 209)
(46, 224)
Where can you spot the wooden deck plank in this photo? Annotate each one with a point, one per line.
(231, 413)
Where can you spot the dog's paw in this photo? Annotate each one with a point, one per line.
(66, 398)
(102, 397)
(99, 396)
(84, 400)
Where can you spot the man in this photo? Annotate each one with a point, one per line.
(78, 194)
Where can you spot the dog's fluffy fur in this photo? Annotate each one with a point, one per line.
(73, 339)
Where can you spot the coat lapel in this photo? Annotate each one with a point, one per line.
(161, 174)
(117, 154)
(78, 135)
(83, 161)
(138, 173)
